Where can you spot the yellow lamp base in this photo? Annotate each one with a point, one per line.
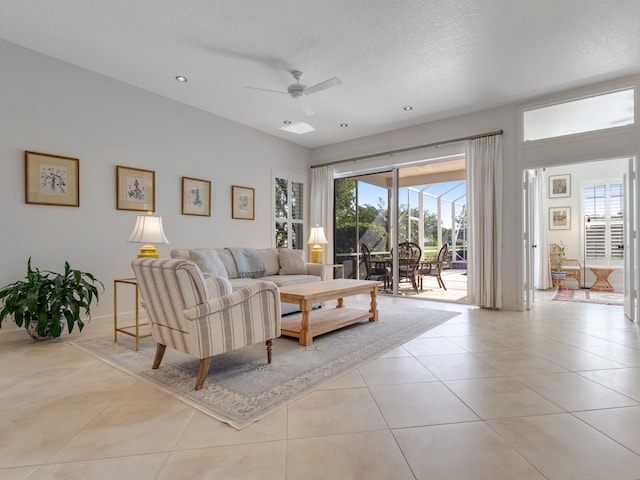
(316, 254)
(148, 251)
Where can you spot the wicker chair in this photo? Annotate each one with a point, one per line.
(570, 266)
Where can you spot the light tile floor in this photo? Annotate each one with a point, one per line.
(553, 393)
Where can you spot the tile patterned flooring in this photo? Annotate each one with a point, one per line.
(553, 393)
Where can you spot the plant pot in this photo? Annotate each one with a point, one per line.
(32, 329)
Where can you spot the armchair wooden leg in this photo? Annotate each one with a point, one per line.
(269, 349)
(203, 371)
(160, 348)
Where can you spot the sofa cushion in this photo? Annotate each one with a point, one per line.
(292, 262)
(271, 260)
(285, 280)
(209, 262)
(229, 262)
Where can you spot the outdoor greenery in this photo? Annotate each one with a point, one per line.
(46, 300)
(373, 224)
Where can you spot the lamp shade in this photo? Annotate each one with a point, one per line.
(317, 236)
(148, 230)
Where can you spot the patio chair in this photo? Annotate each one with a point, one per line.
(434, 269)
(374, 270)
(203, 317)
(409, 262)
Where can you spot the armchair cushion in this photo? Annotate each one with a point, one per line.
(218, 286)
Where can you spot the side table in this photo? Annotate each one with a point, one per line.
(136, 327)
(602, 279)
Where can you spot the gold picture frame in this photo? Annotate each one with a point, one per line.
(196, 197)
(51, 179)
(135, 189)
(243, 202)
(560, 218)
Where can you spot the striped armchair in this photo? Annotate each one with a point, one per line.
(203, 317)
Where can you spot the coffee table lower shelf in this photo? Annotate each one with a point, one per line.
(324, 321)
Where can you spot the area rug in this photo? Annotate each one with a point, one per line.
(589, 296)
(242, 387)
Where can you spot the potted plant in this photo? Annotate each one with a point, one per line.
(45, 300)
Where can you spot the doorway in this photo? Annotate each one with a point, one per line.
(583, 213)
(431, 213)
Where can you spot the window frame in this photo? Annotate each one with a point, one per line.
(607, 221)
(290, 222)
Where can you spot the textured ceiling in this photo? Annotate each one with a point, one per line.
(442, 57)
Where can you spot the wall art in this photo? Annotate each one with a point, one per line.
(52, 180)
(196, 197)
(242, 203)
(135, 189)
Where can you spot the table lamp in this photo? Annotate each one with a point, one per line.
(148, 230)
(317, 239)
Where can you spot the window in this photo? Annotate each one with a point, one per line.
(609, 110)
(288, 195)
(603, 207)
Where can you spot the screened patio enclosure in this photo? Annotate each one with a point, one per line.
(431, 212)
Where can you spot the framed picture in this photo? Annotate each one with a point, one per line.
(560, 218)
(242, 203)
(135, 189)
(196, 197)
(559, 186)
(52, 180)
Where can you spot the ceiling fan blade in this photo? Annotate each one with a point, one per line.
(306, 106)
(332, 82)
(267, 90)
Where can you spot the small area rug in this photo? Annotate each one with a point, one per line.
(589, 296)
(242, 388)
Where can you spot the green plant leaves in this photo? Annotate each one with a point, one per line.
(49, 300)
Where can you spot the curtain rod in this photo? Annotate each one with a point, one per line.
(408, 149)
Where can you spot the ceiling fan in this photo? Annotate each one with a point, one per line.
(299, 90)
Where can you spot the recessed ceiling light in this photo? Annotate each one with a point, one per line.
(408, 108)
(299, 128)
(180, 78)
(344, 125)
(287, 122)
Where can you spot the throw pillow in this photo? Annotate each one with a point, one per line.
(271, 262)
(209, 262)
(292, 262)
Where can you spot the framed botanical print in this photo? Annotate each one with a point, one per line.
(135, 189)
(560, 218)
(196, 197)
(52, 180)
(242, 203)
(559, 186)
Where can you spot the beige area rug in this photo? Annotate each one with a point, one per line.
(242, 388)
(589, 296)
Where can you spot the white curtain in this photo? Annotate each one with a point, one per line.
(321, 211)
(542, 270)
(484, 183)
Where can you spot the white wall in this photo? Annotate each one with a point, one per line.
(52, 107)
(452, 128)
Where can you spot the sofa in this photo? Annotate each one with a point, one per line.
(246, 266)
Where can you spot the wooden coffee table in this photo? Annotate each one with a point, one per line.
(314, 323)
